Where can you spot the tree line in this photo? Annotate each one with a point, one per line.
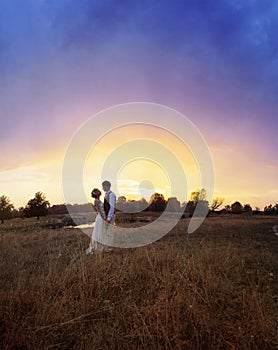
(40, 206)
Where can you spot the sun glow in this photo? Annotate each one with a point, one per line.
(140, 171)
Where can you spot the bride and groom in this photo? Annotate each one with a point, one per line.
(102, 236)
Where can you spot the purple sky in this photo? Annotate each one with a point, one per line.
(215, 61)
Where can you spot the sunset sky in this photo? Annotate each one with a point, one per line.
(215, 61)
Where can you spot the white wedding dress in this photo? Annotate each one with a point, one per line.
(99, 231)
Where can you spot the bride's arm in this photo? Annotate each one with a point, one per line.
(100, 209)
(94, 207)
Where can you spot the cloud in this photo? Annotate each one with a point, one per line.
(233, 40)
(135, 189)
(25, 174)
(63, 59)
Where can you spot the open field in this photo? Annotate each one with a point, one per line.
(214, 289)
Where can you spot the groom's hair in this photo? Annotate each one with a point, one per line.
(106, 183)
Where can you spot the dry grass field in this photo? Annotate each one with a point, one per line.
(214, 289)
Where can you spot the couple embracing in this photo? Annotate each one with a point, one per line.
(102, 236)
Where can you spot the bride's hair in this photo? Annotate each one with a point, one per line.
(95, 193)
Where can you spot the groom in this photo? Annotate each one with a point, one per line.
(109, 208)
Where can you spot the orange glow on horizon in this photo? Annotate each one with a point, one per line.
(238, 176)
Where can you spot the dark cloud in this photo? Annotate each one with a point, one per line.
(52, 46)
(237, 32)
(238, 35)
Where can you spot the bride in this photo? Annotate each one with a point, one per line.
(99, 230)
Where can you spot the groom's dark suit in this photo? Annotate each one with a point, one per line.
(106, 206)
(109, 205)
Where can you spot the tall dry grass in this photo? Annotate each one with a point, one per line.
(213, 289)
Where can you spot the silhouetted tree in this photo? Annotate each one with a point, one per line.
(157, 202)
(216, 203)
(6, 208)
(198, 197)
(131, 206)
(58, 209)
(79, 208)
(190, 207)
(247, 208)
(271, 210)
(142, 205)
(268, 209)
(183, 205)
(37, 206)
(173, 204)
(18, 213)
(121, 203)
(236, 208)
(256, 211)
